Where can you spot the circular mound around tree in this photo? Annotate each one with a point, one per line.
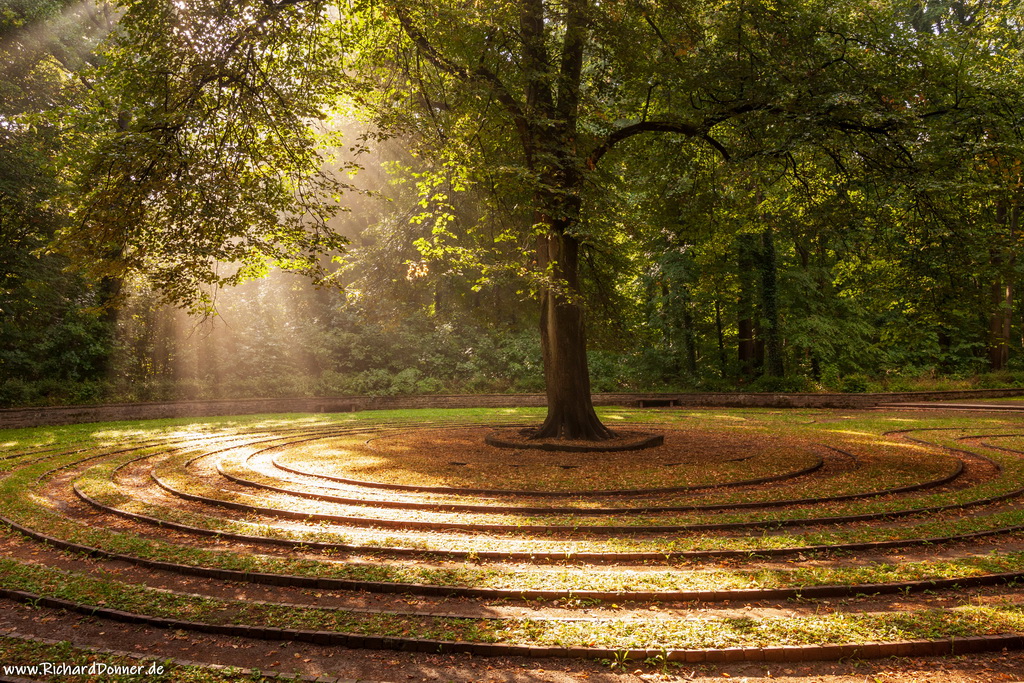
(457, 461)
(620, 441)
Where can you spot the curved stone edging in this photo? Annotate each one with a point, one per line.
(538, 556)
(591, 529)
(413, 525)
(551, 494)
(593, 558)
(773, 653)
(784, 653)
(522, 509)
(333, 583)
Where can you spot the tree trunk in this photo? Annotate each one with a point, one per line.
(689, 337)
(563, 343)
(108, 299)
(668, 332)
(1000, 326)
(723, 363)
(746, 345)
(770, 301)
(1001, 319)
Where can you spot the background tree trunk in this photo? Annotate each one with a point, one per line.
(768, 263)
(689, 335)
(1001, 319)
(746, 346)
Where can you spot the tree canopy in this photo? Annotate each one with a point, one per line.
(745, 189)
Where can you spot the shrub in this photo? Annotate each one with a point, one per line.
(792, 384)
(854, 384)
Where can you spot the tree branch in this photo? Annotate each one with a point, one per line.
(629, 131)
(536, 68)
(572, 62)
(479, 74)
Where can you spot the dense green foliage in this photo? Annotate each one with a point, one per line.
(54, 338)
(772, 195)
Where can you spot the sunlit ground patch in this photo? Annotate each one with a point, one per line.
(207, 495)
(459, 458)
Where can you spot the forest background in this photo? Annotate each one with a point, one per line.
(864, 239)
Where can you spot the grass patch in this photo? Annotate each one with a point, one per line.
(863, 431)
(716, 632)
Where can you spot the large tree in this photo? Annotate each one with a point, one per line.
(203, 147)
(533, 95)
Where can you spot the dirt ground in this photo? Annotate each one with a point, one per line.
(402, 667)
(399, 667)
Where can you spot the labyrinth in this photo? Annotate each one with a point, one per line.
(745, 536)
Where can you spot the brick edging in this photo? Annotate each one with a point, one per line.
(591, 529)
(783, 653)
(596, 558)
(525, 493)
(522, 509)
(327, 583)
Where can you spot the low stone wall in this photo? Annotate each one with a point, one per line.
(61, 415)
(752, 400)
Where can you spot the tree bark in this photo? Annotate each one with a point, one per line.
(563, 343)
(668, 331)
(768, 263)
(1000, 326)
(1001, 319)
(108, 299)
(723, 363)
(689, 335)
(746, 345)
(550, 126)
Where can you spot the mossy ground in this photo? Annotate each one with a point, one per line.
(863, 455)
